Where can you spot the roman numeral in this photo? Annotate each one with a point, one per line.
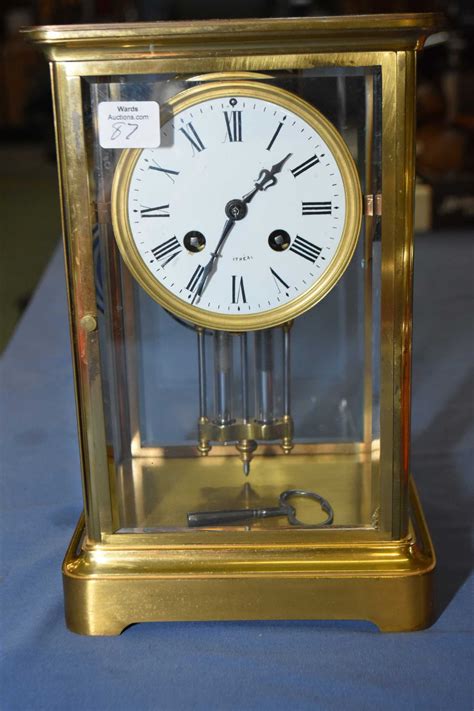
(193, 137)
(274, 137)
(154, 211)
(316, 208)
(305, 166)
(233, 122)
(167, 251)
(194, 281)
(278, 280)
(169, 173)
(305, 249)
(238, 290)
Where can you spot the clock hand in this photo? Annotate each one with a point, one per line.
(214, 255)
(238, 210)
(265, 179)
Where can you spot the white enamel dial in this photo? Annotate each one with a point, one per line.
(241, 210)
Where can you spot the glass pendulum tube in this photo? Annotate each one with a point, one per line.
(264, 374)
(245, 446)
(287, 440)
(203, 444)
(223, 377)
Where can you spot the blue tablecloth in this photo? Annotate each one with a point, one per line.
(247, 665)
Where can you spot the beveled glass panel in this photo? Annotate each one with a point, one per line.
(313, 387)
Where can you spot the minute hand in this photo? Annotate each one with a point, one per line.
(214, 255)
(265, 179)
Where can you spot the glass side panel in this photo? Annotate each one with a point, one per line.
(198, 419)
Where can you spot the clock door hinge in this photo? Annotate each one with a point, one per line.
(372, 205)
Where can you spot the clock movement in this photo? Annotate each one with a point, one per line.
(237, 203)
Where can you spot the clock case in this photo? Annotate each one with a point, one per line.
(131, 558)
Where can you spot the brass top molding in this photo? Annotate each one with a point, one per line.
(275, 35)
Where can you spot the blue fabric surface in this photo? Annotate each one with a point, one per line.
(253, 665)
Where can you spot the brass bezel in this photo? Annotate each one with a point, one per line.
(303, 302)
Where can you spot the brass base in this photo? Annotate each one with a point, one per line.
(388, 583)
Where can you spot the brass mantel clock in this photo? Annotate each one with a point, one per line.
(237, 205)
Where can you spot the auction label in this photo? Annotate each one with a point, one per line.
(129, 124)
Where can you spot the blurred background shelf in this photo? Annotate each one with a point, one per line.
(30, 226)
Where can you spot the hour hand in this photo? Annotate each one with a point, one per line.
(266, 179)
(278, 166)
